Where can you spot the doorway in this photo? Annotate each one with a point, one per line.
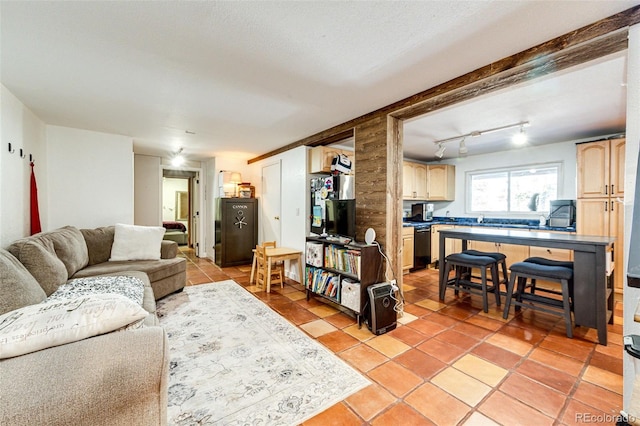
(180, 207)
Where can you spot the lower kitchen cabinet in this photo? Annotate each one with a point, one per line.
(407, 248)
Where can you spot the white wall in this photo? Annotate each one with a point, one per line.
(293, 209)
(209, 206)
(90, 177)
(147, 190)
(564, 152)
(20, 127)
(631, 295)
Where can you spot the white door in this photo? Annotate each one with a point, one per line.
(271, 203)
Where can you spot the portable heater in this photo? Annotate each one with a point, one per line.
(382, 316)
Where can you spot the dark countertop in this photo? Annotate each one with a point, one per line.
(490, 222)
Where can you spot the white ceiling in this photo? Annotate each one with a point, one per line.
(249, 77)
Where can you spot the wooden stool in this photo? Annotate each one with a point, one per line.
(463, 263)
(522, 271)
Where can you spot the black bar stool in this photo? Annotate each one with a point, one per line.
(463, 281)
(521, 272)
(498, 257)
(550, 262)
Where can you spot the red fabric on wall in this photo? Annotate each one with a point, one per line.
(35, 213)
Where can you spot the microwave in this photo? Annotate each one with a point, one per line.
(422, 212)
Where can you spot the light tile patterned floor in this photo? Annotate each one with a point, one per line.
(450, 363)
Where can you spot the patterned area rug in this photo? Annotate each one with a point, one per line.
(234, 361)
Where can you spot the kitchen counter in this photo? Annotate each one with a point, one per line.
(532, 225)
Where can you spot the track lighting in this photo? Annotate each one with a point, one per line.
(463, 148)
(520, 138)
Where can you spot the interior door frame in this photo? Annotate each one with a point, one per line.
(194, 199)
(262, 209)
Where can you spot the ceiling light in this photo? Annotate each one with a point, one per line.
(463, 148)
(177, 159)
(520, 138)
(440, 151)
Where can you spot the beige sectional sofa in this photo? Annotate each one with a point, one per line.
(117, 378)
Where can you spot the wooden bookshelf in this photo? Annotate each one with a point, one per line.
(341, 273)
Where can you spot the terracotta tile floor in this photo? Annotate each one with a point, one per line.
(450, 363)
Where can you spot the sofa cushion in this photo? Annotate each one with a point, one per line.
(39, 257)
(99, 242)
(132, 242)
(44, 325)
(18, 288)
(155, 269)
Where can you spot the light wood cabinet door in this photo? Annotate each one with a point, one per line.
(616, 172)
(592, 216)
(407, 248)
(453, 245)
(551, 253)
(441, 182)
(414, 181)
(321, 157)
(593, 169)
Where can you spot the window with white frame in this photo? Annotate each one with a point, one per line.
(523, 189)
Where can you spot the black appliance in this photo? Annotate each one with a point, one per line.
(562, 213)
(382, 308)
(340, 218)
(421, 247)
(236, 231)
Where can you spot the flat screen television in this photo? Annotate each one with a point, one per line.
(340, 218)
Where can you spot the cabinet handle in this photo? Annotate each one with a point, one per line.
(606, 188)
(611, 189)
(606, 206)
(612, 206)
(549, 251)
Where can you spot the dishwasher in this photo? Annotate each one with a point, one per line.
(421, 247)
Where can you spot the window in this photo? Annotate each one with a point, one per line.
(523, 189)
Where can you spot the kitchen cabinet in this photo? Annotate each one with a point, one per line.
(320, 158)
(601, 168)
(514, 252)
(599, 207)
(441, 180)
(453, 245)
(407, 248)
(414, 181)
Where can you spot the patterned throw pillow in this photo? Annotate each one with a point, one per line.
(130, 287)
(45, 325)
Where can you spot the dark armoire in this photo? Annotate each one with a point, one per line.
(236, 230)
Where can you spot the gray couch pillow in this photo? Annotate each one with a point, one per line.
(99, 242)
(70, 248)
(39, 257)
(18, 288)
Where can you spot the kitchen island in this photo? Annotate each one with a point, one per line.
(593, 289)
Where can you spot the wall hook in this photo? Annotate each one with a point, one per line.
(31, 160)
(22, 154)
(11, 150)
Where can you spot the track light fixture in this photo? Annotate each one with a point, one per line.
(519, 138)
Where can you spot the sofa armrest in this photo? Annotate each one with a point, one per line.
(168, 249)
(117, 378)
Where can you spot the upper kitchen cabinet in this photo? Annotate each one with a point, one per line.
(320, 158)
(414, 181)
(601, 169)
(441, 182)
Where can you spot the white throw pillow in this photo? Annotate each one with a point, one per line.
(45, 325)
(133, 242)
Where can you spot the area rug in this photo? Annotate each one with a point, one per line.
(235, 361)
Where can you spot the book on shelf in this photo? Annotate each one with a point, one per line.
(343, 259)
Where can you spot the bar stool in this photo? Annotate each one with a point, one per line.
(550, 262)
(521, 272)
(498, 257)
(463, 263)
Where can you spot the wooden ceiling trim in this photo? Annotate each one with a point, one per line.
(549, 51)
